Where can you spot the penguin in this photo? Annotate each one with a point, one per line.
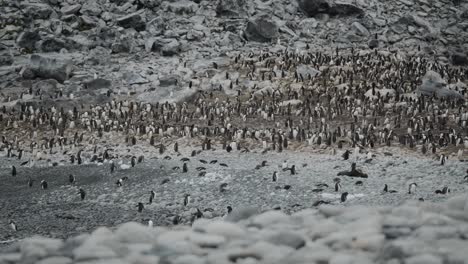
(140, 207)
(13, 171)
(346, 155)
(293, 170)
(44, 184)
(344, 196)
(359, 183)
(320, 202)
(444, 190)
(176, 220)
(443, 158)
(152, 195)
(412, 188)
(82, 194)
(199, 214)
(387, 190)
(119, 182)
(337, 186)
(71, 179)
(229, 209)
(228, 148)
(133, 161)
(275, 176)
(223, 187)
(112, 167)
(30, 182)
(187, 199)
(13, 225)
(185, 168)
(150, 223)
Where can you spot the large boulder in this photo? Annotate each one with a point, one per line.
(232, 8)
(134, 20)
(48, 68)
(335, 8)
(261, 29)
(28, 39)
(314, 7)
(433, 84)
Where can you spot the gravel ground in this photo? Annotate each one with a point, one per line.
(58, 212)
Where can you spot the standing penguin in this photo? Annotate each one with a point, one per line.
(82, 194)
(150, 223)
(176, 147)
(344, 196)
(140, 207)
(185, 168)
(112, 167)
(443, 158)
(275, 176)
(187, 200)
(133, 161)
(44, 184)
(71, 179)
(293, 170)
(346, 155)
(412, 188)
(152, 195)
(337, 186)
(13, 171)
(13, 225)
(30, 182)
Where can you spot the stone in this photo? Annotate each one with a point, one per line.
(261, 29)
(133, 20)
(423, 259)
(50, 67)
(459, 59)
(314, 7)
(99, 56)
(71, 9)
(36, 248)
(55, 260)
(269, 218)
(98, 83)
(232, 8)
(27, 40)
(181, 7)
(287, 238)
(241, 213)
(344, 9)
(360, 29)
(156, 26)
(222, 228)
(433, 84)
(6, 59)
(51, 44)
(133, 78)
(206, 240)
(134, 232)
(170, 48)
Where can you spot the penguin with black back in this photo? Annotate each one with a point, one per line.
(82, 194)
(152, 195)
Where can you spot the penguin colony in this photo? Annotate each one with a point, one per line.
(357, 100)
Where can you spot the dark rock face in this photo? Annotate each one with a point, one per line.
(27, 39)
(48, 68)
(231, 8)
(51, 45)
(261, 29)
(133, 20)
(314, 7)
(97, 84)
(459, 59)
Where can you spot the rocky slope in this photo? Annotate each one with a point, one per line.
(411, 233)
(137, 45)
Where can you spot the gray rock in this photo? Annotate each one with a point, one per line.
(99, 56)
(261, 29)
(181, 7)
(232, 8)
(36, 248)
(72, 9)
(98, 83)
(51, 44)
(459, 59)
(133, 78)
(156, 26)
(314, 7)
(287, 238)
(91, 8)
(134, 20)
(6, 59)
(424, 259)
(170, 48)
(168, 80)
(55, 260)
(242, 213)
(134, 233)
(360, 29)
(433, 84)
(27, 40)
(37, 10)
(50, 67)
(344, 9)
